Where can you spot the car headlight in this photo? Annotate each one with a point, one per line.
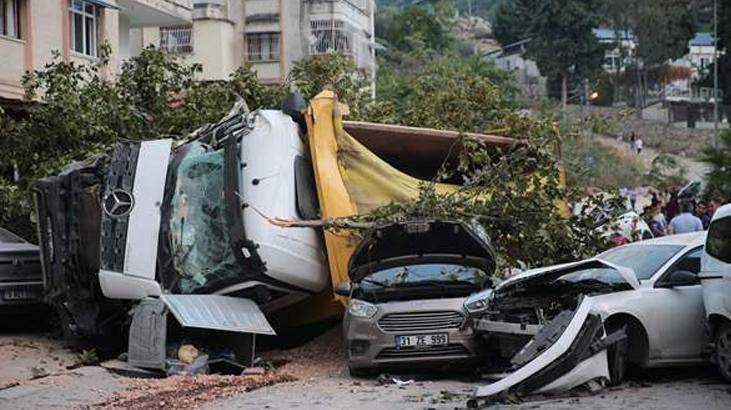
(478, 302)
(358, 308)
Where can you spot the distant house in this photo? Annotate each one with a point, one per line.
(621, 44)
(511, 58)
(700, 53)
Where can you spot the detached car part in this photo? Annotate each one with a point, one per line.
(568, 351)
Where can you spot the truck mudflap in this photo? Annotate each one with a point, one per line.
(224, 317)
(567, 352)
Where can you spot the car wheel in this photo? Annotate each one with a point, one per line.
(361, 373)
(617, 358)
(723, 351)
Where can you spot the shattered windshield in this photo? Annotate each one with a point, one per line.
(599, 277)
(645, 260)
(201, 249)
(439, 274)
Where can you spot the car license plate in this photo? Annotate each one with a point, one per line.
(19, 294)
(420, 341)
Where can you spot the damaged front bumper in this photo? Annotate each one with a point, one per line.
(567, 352)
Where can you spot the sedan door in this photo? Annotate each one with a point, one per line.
(677, 313)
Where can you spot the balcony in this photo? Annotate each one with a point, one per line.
(151, 13)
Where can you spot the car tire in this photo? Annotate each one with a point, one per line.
(361, 373)
(617, 360)
(723, 351)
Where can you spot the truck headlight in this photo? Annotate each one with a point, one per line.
(478, 302)
(359, 308)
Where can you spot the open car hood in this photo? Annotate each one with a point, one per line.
(550, 273)
(442, 238)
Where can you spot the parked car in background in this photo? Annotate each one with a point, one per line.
(21, 278)
(408, 284)
(716, 279)
(647, 294)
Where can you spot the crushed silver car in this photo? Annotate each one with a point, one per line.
(408, 284)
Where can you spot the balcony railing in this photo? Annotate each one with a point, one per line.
(176, 39)
(337, 35)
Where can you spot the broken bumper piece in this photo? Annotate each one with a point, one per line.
(567, 352)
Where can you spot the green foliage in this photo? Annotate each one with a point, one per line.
(510, 21)
(332, 71)
(719, 179)
(517, 195)
(663, 29)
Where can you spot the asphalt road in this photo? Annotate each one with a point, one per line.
(36, 371)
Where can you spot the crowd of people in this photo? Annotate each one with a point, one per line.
(675, 212)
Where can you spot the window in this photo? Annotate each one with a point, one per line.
(645, 260)
(84, 27)
(262, 46)
(691, 262)
(10, 18)
(177, 39)
(331, 35)
(718, 244)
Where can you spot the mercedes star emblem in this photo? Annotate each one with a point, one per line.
(118, 203)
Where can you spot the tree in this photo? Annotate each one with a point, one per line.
(562, 41)
(719, 179)
(511, 20)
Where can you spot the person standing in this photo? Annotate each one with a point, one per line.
(632, 141)
(638, 145)
(685, 222)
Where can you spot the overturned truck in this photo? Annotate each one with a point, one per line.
(158, 227)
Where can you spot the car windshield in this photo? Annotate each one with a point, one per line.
(436, 274)
(601, 277)
(9, 237)
(645, 260)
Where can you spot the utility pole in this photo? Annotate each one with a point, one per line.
(715, 73)
(469, 7)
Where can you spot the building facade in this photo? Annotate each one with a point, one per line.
(33, 31)
(271, 35)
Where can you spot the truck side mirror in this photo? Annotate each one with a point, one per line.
(344, 288)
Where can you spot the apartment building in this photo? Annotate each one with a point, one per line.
(270, 34)
(32, 30)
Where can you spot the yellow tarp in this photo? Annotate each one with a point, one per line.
(350, 179)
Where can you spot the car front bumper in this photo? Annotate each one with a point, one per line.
(372, 344)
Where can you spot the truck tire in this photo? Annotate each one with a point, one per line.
(723, 351)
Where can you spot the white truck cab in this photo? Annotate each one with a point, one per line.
(716, 281)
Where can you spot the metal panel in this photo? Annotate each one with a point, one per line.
(218, 313)
(144, 220)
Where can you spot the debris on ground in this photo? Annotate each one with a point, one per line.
(188, 392)
(384, 379)
(321, 356)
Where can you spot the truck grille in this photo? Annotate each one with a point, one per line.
(448, 350)
(420, 321)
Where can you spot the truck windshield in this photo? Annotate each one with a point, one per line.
(201, 250)
(429, 274)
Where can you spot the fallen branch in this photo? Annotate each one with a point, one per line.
(329, 223)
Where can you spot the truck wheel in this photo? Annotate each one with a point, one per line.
(723, 351)
(617, 360)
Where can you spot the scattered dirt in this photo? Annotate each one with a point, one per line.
(323, 355)
(187, 392)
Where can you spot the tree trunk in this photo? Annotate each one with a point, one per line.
(564, 90)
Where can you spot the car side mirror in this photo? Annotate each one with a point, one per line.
(344, 288)
(680, 278)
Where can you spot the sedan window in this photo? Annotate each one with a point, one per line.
(645, 260)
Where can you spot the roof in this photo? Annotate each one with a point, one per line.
(702, 39)
(685, 239)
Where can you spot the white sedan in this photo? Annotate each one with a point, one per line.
(649, 289)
